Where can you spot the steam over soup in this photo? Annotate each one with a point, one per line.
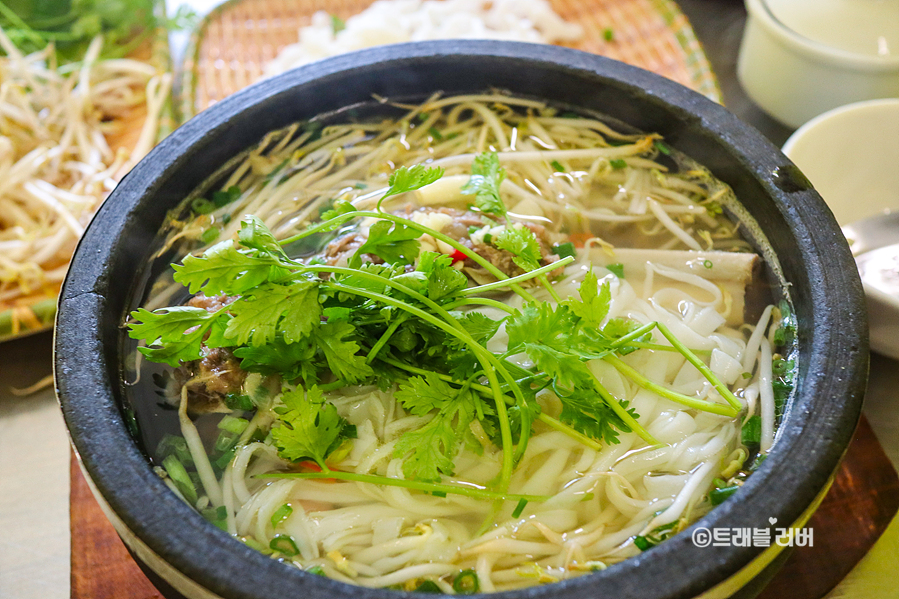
(481, 345)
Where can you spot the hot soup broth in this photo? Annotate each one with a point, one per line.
(496, 344)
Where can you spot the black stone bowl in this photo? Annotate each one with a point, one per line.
(195, 559)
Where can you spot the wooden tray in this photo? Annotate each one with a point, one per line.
(862, 502)
(230, 48)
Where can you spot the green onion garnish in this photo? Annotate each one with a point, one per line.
(466, 582)
(284, 544)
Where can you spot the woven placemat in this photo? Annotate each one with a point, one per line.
(230, 48)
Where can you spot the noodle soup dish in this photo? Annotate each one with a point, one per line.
(465, 340)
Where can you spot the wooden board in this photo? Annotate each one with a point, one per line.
(861, 503)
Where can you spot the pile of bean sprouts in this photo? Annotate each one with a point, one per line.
(57, 163)
(574, 174)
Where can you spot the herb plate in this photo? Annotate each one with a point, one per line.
(232, 45)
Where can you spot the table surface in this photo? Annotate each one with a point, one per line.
(34, 454)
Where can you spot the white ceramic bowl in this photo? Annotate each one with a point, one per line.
(832, 53)
(851, 156)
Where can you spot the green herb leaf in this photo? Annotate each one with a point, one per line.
(309, 430)
(486, 177)
(177, 331)
(254, 234)
(292, 310)
(522, 244)
(225, 269)
(409, 179)
(290, 360)
(430, 450)
(442, 279)
(340, 353)
(393, 242)
(593, 306)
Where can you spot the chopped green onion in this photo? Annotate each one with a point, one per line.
(435, 133)
(284, 544)
(466, 582)
(708, 264)
(223, 460)
(223, 198)
(225, 441)
(608, 34)
(179, 476)
(643, 543)
(202, 206)
(217, 516)
(752, 430)
(236, 401)
(663, 148)
(254, 544)
(428, 586)
(177, 446)
(557, 166)
(616, 269)
(563, 250)
(210, 235)
(488, 238)
(519, 508)
(618, 163)
(233, 425)
(717, 496)
(317, 570)
(281, 514)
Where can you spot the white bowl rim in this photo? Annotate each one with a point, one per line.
(818, 51)
(835, 113)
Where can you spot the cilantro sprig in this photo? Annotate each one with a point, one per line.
(397, 324)
(486, 177)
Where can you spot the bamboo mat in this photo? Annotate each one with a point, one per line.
(232, 45)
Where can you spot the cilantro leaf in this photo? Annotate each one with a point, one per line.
(429, 450)
(340, 353)
(168, 324)
(309, 429)
(254, 234)
(340, 207)
(392, 242)
(225, 269)
(593, 306)
(177, 331)
(587, 413)
(385, 271)
(411, 178)
(258, 315)
(486, 177)
(522, 244)
(442, 279)
(290, 360)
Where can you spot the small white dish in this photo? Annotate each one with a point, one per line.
(875, 245)
(851, 156)
(801, 58)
